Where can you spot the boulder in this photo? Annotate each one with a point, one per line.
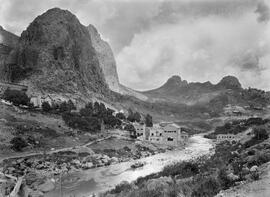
(47, 186)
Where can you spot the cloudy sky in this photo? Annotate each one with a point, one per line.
(200, 40)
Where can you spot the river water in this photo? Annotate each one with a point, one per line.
(85, 183)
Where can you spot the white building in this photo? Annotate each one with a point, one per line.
(156, 135)
(140, 131)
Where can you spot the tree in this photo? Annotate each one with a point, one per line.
(18, 143)
(260, 134)
(120, 116)
(71, 105)
(16, 97)
(148, 121)
(46, 106)
(130, 116)
(63, 107)
(137, 117)
(112, 121)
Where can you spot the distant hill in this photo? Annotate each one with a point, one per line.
(177, 90)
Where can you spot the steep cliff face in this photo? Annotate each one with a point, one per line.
(106, 59)
(108, 65)
(8, 41)
(55, 54)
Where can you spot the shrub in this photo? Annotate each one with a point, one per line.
(260, 134)
(18, 143)
(207, 186)
(123, 186)
(183, 169)
(16, 97)
(46, 106)
(120, 116)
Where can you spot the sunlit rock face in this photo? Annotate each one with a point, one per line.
(55, 54)
(106, 59)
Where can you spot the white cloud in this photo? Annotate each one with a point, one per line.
(198, 49)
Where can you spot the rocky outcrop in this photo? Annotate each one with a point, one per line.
(8, 41)
(55, 54)
(229, 82)
(106, 59)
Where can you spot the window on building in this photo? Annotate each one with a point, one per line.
(169, 139)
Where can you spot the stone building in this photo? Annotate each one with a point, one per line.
(140, 130)
(227, 137)
(156, 135)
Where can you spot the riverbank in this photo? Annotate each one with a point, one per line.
(44, 170)
(101, 179)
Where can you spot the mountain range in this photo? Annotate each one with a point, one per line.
(177, 90)
(56, 54)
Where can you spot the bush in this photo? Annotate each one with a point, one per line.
(120, 116)
(16, 97)
(18, 143)
(46, 106)
(183, 169)
(123, 186)
(260, 134)
(207, 186)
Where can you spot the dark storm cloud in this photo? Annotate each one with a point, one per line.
(263, 11)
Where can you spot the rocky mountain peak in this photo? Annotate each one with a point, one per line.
(175, 81)
(106, 59)
(230, 82)
(55, 54)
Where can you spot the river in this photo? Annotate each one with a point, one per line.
(85, 183)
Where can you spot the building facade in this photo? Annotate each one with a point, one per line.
(227, 137)
(156, 135)
(140, 131)
(164, 133)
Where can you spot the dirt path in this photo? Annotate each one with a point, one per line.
(53, 151)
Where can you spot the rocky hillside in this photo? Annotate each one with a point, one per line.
(176, 90)
(55, 54)
(8, 41)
